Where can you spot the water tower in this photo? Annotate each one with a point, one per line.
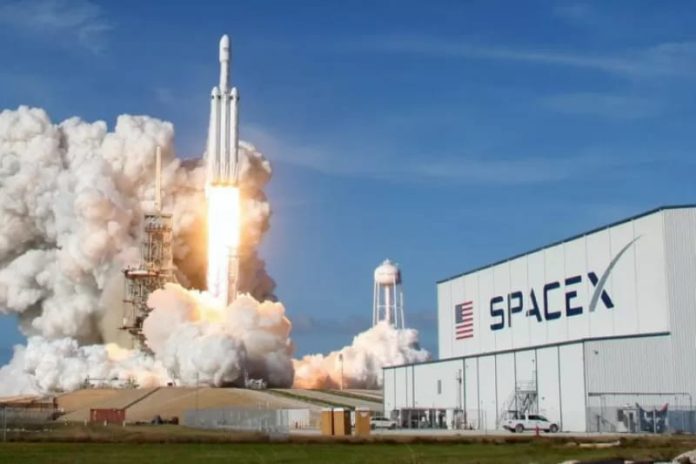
(388, 297)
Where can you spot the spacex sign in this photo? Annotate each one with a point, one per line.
(610, 282)
(536, 302)
(505, 309)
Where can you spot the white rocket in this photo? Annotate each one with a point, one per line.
(223, 133)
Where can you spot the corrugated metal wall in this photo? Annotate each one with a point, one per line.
(642, 364)
(680, 249)
(489, 383)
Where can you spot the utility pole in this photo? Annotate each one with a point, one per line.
(197, 387)
(340, 360)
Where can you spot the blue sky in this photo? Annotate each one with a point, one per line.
(444, 135)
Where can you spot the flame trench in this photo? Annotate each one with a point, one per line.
(223, 242)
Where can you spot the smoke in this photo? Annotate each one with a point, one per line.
(200, 341)
(362, 362)
(62, 365)
(72, 198)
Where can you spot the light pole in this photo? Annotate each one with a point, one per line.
(340, 360)
(198, 418)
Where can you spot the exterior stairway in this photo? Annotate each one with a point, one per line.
(522, 400)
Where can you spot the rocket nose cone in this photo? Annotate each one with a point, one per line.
(224, 48)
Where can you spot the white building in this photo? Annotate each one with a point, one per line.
(597, 332)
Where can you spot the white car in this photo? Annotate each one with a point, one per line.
(382, 423)
(520, 423)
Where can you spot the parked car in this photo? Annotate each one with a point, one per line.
(382, 423)
(520, 423)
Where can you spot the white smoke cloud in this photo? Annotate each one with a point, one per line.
(72, 197)
(200, 341)
(62, 365)
(378, 347)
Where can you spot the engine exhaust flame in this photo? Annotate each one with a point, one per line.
(223, 241)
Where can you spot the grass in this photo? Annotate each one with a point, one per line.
(291, 452)
(77, 444)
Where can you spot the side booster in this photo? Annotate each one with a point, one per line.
(223, 133)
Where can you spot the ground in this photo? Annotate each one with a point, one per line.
(143, 404)
(172, 444)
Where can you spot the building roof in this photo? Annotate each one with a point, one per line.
(598, 229)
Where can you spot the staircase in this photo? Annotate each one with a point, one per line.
(522, 400)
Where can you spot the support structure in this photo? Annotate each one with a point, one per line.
(388, 302)
(154, 269)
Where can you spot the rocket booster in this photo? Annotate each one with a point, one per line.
(222, 156)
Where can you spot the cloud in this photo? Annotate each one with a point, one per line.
(507, 171)
(577, 12)
(81, 21)
(664, 59)
(165, 95)
(319, 158)
(424, 321)
(307, 324)
(441, 167)
(618, 107)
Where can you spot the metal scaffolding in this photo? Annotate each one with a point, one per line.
(154, 269)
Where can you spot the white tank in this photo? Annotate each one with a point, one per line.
(388, 297)
(387, 273)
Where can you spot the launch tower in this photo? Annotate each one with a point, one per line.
(154, 269)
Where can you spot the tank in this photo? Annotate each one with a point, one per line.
(387, 273)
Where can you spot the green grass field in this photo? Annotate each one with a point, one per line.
(449, 452)
(77, 443)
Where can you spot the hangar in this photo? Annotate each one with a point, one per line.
(596, 333)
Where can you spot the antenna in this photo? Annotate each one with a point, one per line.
(158, 180)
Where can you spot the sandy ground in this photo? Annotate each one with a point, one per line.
(143, 404)
(337, 398)
(371, 394)
(173, 402)
(78, 403)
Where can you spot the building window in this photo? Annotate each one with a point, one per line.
(439, 387)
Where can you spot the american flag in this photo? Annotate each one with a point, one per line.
(464, 320)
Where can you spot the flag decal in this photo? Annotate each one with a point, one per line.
(464, 320)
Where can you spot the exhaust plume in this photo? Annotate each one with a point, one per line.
(72, 198)
(360, 364)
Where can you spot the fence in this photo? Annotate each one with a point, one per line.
(17, 417)
(641, 413)
(249, 420)
(12, 419)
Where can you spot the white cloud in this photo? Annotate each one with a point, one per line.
(619, 107)
(575, 11)
(442, 167)
(79, 21)
(664, 59)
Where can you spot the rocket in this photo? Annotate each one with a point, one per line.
(222, 156)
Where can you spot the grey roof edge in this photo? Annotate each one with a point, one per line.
(559, 242)
(532, 347)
